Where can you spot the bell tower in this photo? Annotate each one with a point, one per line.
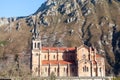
(36, 41)
(36, 50)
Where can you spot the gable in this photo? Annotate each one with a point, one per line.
(83, 46)
(83, 49)
(82, 52)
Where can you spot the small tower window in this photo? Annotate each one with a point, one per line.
(36, 54)
(35, 45)
(38, 45)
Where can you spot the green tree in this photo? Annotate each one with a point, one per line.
(52, 76)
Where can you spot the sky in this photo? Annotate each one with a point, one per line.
(17, 8)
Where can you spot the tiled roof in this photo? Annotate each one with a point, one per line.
(58, 48)
(55, 62)
(98, 56)
(94, 62)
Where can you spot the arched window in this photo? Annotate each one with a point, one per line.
(73, 70)
(35, 45)
(95, 69)
(55, 69)
(36, 69)
(44, 56)
(45, 69)
(71, 57)
(58, 69)
(64, 69)
(85, 69)
(36, 54)
(54, 57)
(100, 69)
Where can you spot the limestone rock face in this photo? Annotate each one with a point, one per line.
(71, 23)
(4, 21)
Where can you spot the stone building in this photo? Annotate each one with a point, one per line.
(80, 61)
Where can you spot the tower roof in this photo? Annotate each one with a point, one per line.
(36, 32)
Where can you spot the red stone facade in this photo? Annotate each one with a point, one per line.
(62, 61)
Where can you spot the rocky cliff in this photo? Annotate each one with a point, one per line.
(67, 23)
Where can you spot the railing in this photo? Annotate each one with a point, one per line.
(56, 78)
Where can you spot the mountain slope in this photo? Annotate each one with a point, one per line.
(68, 23)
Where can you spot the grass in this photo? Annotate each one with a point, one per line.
(116, 78)
(3, 43)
